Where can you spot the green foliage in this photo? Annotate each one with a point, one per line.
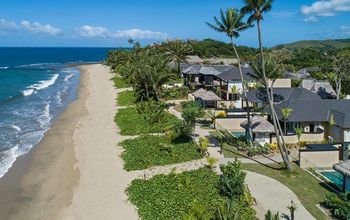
(298, 131)
(177, 51)
(203, 145)
(231, 183)
(120, 82)
(175, 93)
(270, 216)
(182, 130)
(318, 44)
(212, 48)
(152, 111)
(258, 149)
(211, 161)
(171, 197)
(235, 209)
(190, 111)
(131, 122)
(148, 151)
(339, 205)
(126, 98)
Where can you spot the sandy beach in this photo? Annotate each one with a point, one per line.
(75, 172)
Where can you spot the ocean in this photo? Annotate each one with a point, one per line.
(36, 85)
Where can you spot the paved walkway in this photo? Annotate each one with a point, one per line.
(273, 195)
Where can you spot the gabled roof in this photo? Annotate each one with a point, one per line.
(194, 59)
(206, 95)
(317, 110)
(343, 168)
(281, 95)
(233, 74)
(259, 125)
(206, 69)
(322, 88)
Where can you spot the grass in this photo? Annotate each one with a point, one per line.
(170, 196)
(120, 83)
(228, 150)
(148, 151)
(131, 122)
(308, 189)
(126, 98)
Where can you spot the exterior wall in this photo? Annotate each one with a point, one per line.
(262, 138)
(282, 83)
(293, 139)
(319, 159)
(346, 135)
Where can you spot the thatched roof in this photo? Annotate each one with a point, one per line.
(206, 95)
(343, 168)
(259, 125)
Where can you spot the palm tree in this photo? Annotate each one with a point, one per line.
(230, 23)
(255, 10)
(286, 113)
(178, 51)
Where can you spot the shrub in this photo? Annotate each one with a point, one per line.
(203, 145)
(258, 149)
(120, 82)
(174, 93)
(274, 147)
(231, 183)
(339, 205)
(131, 122)
(148, 151)
(182, 130)
(151, 110)
(221, 114)
(211, 162)
(190, 111)
(171, 196)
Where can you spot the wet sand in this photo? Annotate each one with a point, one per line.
(75, 171)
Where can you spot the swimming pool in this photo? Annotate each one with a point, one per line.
(238, 134)
(334, 177)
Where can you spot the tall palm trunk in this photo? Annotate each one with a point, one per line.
(276, 124)
(250, 134)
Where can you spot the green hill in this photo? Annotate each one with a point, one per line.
(336, 44)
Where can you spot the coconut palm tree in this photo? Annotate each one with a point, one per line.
(231, 23)
(255, 10)
(286, 113)
(178, 51)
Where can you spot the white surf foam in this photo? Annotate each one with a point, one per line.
(66, 78)
(16, 128)
(8, 157)
(28, 92)
(43, 84)
(4, 67)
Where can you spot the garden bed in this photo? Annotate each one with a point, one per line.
(170, 196)
(131, 122)
(148, 151)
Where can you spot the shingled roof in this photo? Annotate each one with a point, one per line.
(206, 95)
(317, 110)
(281, 95)
(343, 168)
(259, 125)
(206, 69)
(233, 74)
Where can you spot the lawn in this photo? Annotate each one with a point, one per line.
(131, 122)
(119, 82)
(126, 98)
(148, 151)
(308, 189)
(170, 196)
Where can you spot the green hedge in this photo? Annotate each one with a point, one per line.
(147, 151)
(170, 196)
(131, 122)
(126, 98)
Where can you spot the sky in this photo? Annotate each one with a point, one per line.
(110, 23)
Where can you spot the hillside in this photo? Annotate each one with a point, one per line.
(337, 44)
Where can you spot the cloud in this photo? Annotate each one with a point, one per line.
(343, 31)
(324, 8)
(27, 26)
(102, 32)
(36, 27)
(311, 19)
(91, 31)
(283, 14)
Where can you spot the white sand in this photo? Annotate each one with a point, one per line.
(100, 192)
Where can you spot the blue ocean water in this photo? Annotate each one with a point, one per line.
(36, 84)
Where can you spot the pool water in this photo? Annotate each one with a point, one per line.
(334, 177)
(238, 134)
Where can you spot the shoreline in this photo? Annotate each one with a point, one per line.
(29, 183)
(75, 172)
